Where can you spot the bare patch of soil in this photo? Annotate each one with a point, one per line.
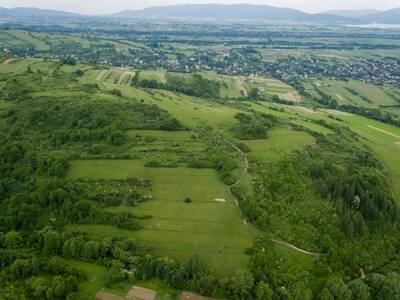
(141, 293)
(107, 296)
(290, 96)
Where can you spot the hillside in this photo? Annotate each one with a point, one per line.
(232, 12)
(109, 184)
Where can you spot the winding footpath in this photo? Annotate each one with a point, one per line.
(245, 168)
(296, 248)
(240, 179)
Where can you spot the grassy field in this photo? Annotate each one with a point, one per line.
(239, 86)
(96, 278)
(280, 142)
(295, 114)
(352, 92)
(159, 76)
(12, 38)
(231, 86)
(16, 65)
(177, 229)
(189, 110)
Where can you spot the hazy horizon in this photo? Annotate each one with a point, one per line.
(108, 6)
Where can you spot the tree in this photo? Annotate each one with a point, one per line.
(254, 94)
(338, 289)
(326, 295)
(79, 72)
(240, 286)
(12, 239)
(300, 291)
(359, 290)
(70, 60)
(385, 287)
(117, 138)
(14, 154)
(263, 291)
(39, 286)
(116, 92)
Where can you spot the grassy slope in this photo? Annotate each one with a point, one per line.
(337, 89)
(178, 229)
(280, 142)
(383, 144)
(191, 111)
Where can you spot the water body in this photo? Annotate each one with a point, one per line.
(378, 25)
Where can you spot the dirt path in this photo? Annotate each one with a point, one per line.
(305, 109)
(362, 273)
(242, 175)
(8, 61)
(384, 131)
(339, 96)
(338, 112)
(242, 87)
(295, 248)
(245, 168)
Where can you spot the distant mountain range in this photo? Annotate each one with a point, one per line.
(233, 12)
(359, 13)
(388, 17)
(35, 12)
(260, 13)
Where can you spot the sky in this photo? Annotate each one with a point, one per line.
(110, 6)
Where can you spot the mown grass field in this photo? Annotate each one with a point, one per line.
(280, 142)
(177, 229)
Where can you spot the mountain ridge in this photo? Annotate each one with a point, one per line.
(356, 13)
(391, 16)
(35, 12)
(232, 12)
(226, 12)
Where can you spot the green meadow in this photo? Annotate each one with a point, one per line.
(176, 228)
(352, 92)
(280, 142)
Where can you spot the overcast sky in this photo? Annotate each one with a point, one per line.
(109, 6)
